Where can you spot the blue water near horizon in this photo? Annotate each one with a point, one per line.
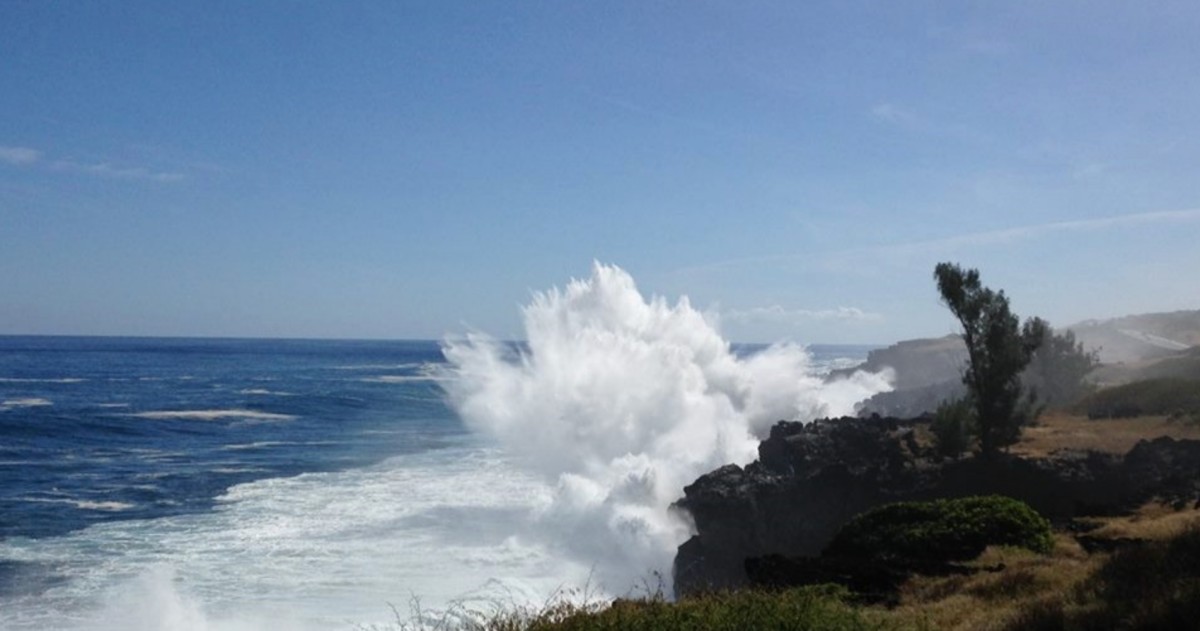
(95, 428)
(112, 443)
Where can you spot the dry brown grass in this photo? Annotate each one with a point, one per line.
(1153, 521)
(1011, 582)
(1008, 580)
(1059, 430)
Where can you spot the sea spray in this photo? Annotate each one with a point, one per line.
(619, 402)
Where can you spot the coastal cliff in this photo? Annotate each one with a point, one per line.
(811, 478)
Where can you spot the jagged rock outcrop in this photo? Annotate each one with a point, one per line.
(810, 479)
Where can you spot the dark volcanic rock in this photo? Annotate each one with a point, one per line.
(810, 479)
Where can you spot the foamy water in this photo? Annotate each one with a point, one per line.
(619, 401)
(578, 442)
(316, 551)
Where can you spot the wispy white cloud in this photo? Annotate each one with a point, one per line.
(1020, 233)
(891, 113)
(25, 156)
(908, 120)
(105, 169)
(776, 313)
(19, 155)
(853, 257)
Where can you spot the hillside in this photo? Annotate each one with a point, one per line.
(1141, 337)
(1130, 348)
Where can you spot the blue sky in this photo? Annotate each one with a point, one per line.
(405, 170)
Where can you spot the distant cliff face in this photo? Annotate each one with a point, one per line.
(810, 479)
(927, 372)
(920, 363)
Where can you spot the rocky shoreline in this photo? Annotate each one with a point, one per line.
(811, 478)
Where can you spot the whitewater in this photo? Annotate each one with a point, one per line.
(243, 485)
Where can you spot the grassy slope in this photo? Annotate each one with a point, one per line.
(1060, 430)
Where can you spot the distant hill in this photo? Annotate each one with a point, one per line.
(1131, 348)
(1140, 337)
(1180, 365)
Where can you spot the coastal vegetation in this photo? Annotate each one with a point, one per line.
(924, 534)
(999, 348)
(1178, 398)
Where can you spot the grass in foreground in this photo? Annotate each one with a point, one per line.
(1148, 586)
(816, 608)
(820, 608)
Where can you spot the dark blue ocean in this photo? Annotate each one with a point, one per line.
(227, 482)
(97, 429)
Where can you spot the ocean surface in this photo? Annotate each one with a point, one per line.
(150, 483)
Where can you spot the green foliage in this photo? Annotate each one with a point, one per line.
(1152, 586)
(819, 608)
(1057, 369)
(1179, 397)
(942, 531)
(953, 427)
(998, 349)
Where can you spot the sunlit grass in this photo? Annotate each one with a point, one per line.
(1059, 430)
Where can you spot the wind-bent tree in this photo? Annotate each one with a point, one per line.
(998, 349)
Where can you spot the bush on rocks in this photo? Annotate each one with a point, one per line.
(924, 534)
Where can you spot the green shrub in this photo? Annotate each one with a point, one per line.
(942, 531)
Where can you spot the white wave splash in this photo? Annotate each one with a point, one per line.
(620, 401)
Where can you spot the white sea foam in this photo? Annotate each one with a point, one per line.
(106, 506)
(212, 415)
(103, 506)
(265, 392)
(55, 380)
(258, 445)
(619, 402)
(314, 551)
(403, 366)
(27, 402)
(398, 378)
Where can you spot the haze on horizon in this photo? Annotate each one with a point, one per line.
(407, 170)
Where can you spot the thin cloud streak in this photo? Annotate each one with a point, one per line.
(19, 156)
(104, 169)
(1021, 233)
(26, 156)
(985, 238)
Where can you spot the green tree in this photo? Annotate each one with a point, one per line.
(1057, 370)
(998, 349)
